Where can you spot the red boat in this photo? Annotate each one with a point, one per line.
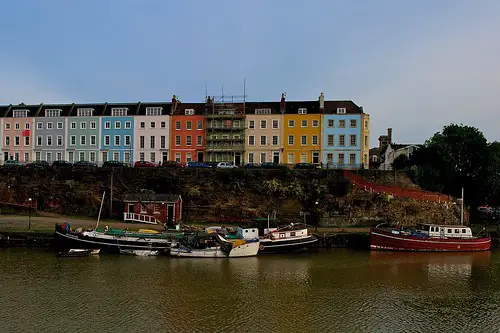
(428, 237)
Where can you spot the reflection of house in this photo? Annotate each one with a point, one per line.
(377, 153)
(393, 151)
(153, 208)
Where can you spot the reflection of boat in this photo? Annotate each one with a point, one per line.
(141, 253)
(78, 252)
(428, 237)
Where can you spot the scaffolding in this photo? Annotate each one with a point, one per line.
(225, 130)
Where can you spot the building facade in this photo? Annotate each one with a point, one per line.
(50, 133)
(117, 133)
(151, 132)
(83, 133)
(188, 135)
(17, 132)
(264, 130)
(302, 132)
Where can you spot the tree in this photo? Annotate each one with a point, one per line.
(400, 162)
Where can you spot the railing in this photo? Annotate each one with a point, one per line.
(140, 218)
(225, 127)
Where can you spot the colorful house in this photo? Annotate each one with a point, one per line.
(365, 134)
(302, 132)
(264, 132)
(343, 129)
(50, 133)
(83, 132)
(153, 208)
(188, 132)
(117, 132)
(151, 132)
(17, 131)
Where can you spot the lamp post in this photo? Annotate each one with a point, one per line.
(29, 214)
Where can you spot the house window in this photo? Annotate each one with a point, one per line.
(331, 123)
(39, 140)
(119, 112)
(353, 123)
(250, 157)
(59, 140)
(16, 141)
(189, 125)
(163, 124)
(341, 110)
(51, 113)
(262, 111)
(291, 158)
(314, 139)
(188, 157)
(142, 141)
(107, 125)
(199, 140)
(72, 140)
(126, 157)
(162, 142)
(152, 157)
(128, 124)
(303, 123)
(276, 124)
(118, 125)
(366, 124)
(152, 142)
(73, 125)
(7, 141)
(303, 158)
(352, 140)
(275, 140)
(303, 140)
(188, 140)
(251, 140)
(199, 124)
(49, 140)
(83, 140)
(93, 140)
(116, 156)
(38, 156)
(20, 113)
(291, 140)
(177, 140)
(26, 140)
(83, 125)
(329, 158)
(178, 157)
(104, 156)
(17, 126)
(7, 126)
(117, 140)
(107, 140)
(84, 112)
(153, 111)
(352, 158)
(251, 124)
(189, 112)
(341, 140)
(291, 123)
(26, 157)
(263, 140)
(315, 123)
(342, 123)
(330, 140)
(262, 157)
(141, 157)
(341, 159)
(39, 126)
(236, 124)
(92, 156)
(263, 124)
(142, 124)
(48, 157)
(177, 125)
(27, 126)
(127, 140)
(82, 156)
(59, 125)
(302, 110)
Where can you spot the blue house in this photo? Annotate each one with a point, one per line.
(117, 133)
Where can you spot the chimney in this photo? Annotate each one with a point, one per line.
(322, 101)
(282, 104)
(389, 135)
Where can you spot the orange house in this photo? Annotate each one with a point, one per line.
(187, 128)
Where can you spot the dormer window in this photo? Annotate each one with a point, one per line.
(84, 112)
(20, 113)
(189, 112)
(153, 111)
(302, 111)
(50, 113)
(262, 111)
(341, 111)
(119, 112)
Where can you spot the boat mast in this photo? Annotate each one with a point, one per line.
(462, 208)
(100, 210)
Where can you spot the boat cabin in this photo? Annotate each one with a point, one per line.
(444, 231)
(155, 208)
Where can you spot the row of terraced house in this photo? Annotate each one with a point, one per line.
(333, 133)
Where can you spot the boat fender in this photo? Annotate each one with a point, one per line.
(262, 247)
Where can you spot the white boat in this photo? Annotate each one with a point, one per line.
(186, 251)
(141, 253)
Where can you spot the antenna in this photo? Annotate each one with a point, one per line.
(244, 90)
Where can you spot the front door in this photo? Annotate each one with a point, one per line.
(6, 156)
(164, 157)
(200, 156)
(315, 157)
(237, 158)
(276, 157)
(170, 214)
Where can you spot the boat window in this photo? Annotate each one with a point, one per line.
(282, 235)
(253, 230)
(464, 231)
(292, 234)
(449, 231)
(457, 231)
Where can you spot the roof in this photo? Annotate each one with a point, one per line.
(397, 146)
(293, 107)
(350, 107)
(251, 106)
(199, 108)
(149, 197)
(141, 107)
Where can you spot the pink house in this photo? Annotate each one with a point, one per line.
(17, 133)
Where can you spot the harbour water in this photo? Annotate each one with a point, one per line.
(332, 291)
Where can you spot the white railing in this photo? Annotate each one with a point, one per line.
(140, 218)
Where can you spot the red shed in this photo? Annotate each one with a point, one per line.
(153, 208)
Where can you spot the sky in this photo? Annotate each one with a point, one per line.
(414, 66)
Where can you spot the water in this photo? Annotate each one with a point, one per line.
(335, 291)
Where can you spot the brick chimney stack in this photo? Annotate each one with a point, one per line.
(322, 101)
(389, 135)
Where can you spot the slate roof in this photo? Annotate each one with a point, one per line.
(152, 197)
(199, 108)
(251, 106)
(350, 107)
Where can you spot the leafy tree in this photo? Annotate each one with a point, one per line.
(400, 162)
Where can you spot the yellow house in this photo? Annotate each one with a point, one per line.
(302, 132)
(365, 135)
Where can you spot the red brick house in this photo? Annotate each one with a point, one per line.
(153, 208)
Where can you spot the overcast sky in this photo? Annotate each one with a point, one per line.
(414, 66)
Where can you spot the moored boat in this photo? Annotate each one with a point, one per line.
(78, 252)
(428, 237)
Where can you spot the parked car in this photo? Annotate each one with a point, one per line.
(194, 164)
(39, 164)
(251, 166)
(272, 165)
(85, 164)
(306, 166)
(144, 164)
(61, 163)
(212, 164)
(114, 164)
(226, 165)
(12, 164)
(172, 164)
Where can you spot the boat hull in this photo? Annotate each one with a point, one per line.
(285, 245)
(382, 240)
(197, 253)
